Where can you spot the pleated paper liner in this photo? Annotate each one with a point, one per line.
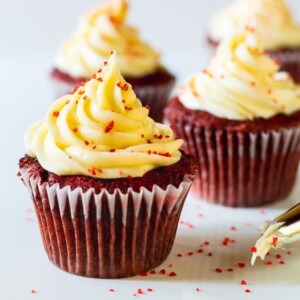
(107, 235)
(240, 168)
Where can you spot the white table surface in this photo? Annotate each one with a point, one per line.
(25, 94)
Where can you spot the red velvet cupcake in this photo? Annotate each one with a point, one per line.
(280, 34)
(241, 120)
(107, 182)
(100, 31)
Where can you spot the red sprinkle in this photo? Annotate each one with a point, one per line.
(278, 256)
(268, 263)
(152, 272)
(74, 90)
(230, 270)
(243, 282)
(162, 271)
(55, 114)
(209, 254)
(112, 150)
(200, 251)
(86, 142)
(111, 290)
(253, 250)
(147, 107)
(274, 242)
(198, 290)
(75, 129)
(150, 290)
(110, 126)
(247, 291)
(218, 270)
(289, 253)
(140, 291)
(34, 291)
(172, 274)
(281, 262)
(179, 255)
(233, 228)
(143, 274)
(190, 253)
(241, 265)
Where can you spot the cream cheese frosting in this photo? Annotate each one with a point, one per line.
(242, 82)
(276, 24)
(100, 31)
(282, 233)
(102, 130)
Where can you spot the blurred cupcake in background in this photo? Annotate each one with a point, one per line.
(280, 33)
(98, 33)
(107, 182)
(241, 120)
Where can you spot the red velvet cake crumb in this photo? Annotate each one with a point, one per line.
(162, 177)
(199, 118)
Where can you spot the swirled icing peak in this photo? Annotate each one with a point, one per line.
(101, 130)
(100, 31)
(242, 82)
(276, 24)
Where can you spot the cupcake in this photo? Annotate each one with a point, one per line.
(281, 233)
(107, 182)
(100, 31)
(241, 120)
(280, 34)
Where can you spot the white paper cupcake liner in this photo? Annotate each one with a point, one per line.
(242, 169)
(107, 235)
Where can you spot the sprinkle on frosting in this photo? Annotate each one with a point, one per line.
(276, 24)
(103, 139)
(99, 31)
(241, 82)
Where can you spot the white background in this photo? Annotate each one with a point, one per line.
(38, 26)
(30, 32)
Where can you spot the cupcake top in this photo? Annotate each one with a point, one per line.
(242, 82)
(101, 130)
(283, 232)
(98, 32)
(275, 21)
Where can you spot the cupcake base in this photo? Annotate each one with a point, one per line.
(153, 90)
(93, 232)
(241, 163)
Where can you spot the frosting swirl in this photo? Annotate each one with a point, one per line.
(100, 31)
(101, 130)
(242, 82)
(273, 16)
